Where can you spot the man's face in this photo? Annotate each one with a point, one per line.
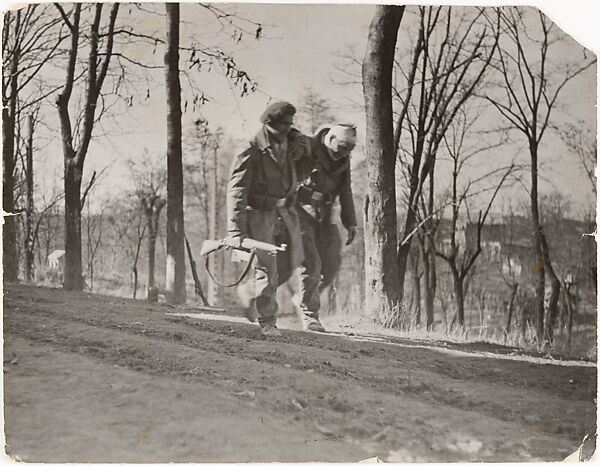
(283, 125)
(340, 149)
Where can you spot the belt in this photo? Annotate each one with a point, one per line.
(265, 202)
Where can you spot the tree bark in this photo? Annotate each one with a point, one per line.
(212, 226)
(9, 233)
(73, 269)
(383, 296)
(459, 297)
(570, 309)
(429, 277)
(72, 275)
(29, 240)
(151, 259)
(417, 291)
(175, 273)
(511, 305)
(135, 266)
(554, 292)
(135, 281)
(430, 288)
(152, 207)
(543, 264)
(10, 258)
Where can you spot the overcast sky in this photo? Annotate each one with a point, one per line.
(300, 47)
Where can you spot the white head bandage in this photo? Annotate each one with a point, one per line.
(340, 140)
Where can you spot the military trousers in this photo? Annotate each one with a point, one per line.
(322, 259)
(259, 291)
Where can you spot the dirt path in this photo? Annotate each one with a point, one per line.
(90, 378)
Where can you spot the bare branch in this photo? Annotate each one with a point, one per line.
(66, 18)
(87, 190)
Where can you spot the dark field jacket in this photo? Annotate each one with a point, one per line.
(327, 177)
(261, 190)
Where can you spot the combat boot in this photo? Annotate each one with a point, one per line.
(270, 330)
(312, 324)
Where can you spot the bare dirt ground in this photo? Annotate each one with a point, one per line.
(95, 378)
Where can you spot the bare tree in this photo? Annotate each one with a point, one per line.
(529, 91)
(429, 273)
(140, 230)
(149, 179)
(446, 66)
(27, 172)
(47, 228)
(381, 268)
(94, 228)
(30, 39)
(75, 145)
(203, 171)
(583, 143)
(510, 266)
(130, 224)
(175, 274)
(462, 261)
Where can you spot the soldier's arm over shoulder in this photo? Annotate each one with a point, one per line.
(299, 145)
(240, 180)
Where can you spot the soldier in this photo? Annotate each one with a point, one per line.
(322, 180)
(261, 197)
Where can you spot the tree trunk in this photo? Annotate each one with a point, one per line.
(543, 256)
(404, 250)
(151, 259)
(73, 171)
(540, 279)
(415, 260)
(417, 294)
(511, 305)
(443, 305)
(570, 309)
(73, 273)
(459, 298)
(175, 273)
(153, 205)
(91, 278)
(151, 290)
(10, 261)
(383, 297)
(135, 264)
(135, 281)
(554, 296)
(430, 285)
(212, 227)
(432, 291)
(29, 246)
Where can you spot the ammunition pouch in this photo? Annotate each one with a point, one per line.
(313, 197)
